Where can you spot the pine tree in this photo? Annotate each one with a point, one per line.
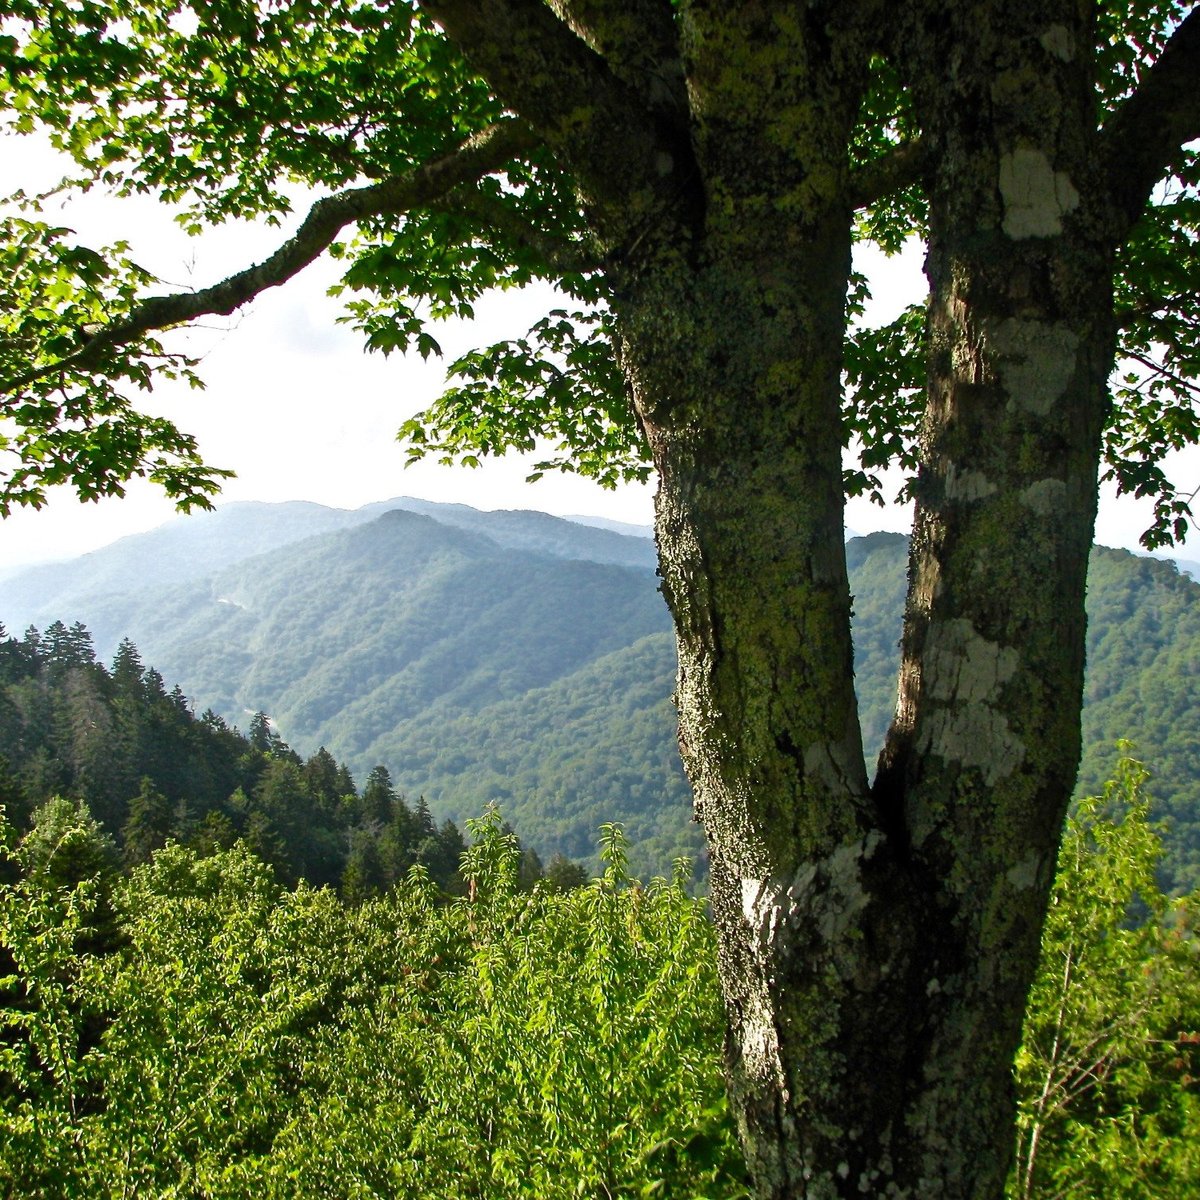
(530, 871)
(150, 823)
(321, 777)
(262, 734)
(563, 875)
(364, 875)
(127, 671)
(378, 797)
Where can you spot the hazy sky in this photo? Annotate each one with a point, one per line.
(300, 412)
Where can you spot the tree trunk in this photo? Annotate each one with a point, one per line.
(749, 523)
(877, 944)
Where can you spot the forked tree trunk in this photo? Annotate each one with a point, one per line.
(877, 943)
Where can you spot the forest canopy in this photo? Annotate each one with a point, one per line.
(115, 744)
(195, 1026)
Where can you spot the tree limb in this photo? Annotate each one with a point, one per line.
(1163, 372)
(478, 156)
(890, 173)
(1177, 302)
(1145, 134)
(639, 41)
(547, 74)
(562, 256)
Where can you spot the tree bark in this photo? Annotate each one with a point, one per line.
(980, 762)
(877, 944)
(731, 333)
(749, 524)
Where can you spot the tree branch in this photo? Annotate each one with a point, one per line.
(1142, 138)
(890, 173)
(547, 74)
(1175, 302)
(1162, 372)
(562, 256)
(478, 156)
(639, 41)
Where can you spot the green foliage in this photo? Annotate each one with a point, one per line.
(885, 380)
(217, 108)
(560, 384)
(222, 108)
(1110, 1102)
(149, 824)
(239, 1039)
(141, 770)
(54, 919)
(78, 427)
(257, 1041)
(66, 845)
(1158, 320)
(1141, 684)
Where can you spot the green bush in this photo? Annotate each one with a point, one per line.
(255, 1041)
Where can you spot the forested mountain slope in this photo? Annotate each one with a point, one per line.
(527, 659)
(1143, 683)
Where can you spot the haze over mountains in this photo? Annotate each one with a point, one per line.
(528, 659)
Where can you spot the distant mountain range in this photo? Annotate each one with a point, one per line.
(528, 659)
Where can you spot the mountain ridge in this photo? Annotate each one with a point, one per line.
(518, 657)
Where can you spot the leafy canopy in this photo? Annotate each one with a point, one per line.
(431, 194)
(1106, 1077)
(235, 1038)
(240, 1040)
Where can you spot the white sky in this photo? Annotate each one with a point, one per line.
(300, 412)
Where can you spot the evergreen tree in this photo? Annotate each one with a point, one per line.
(423, 821)
(65, 648)
(16, 661)
(89, 740)
(398, 839)
(563, 875)
(344, 786)
(127, 671)
(378, 798)
(444, 864)
(156, 688)
(264, 842)
(150, 823)
(530, 871)
(364, 875)
(213, 833)
(321, 776)
(262, 736)
(283, 802)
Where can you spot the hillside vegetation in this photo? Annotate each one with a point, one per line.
(192, 1027)
(525, 659)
